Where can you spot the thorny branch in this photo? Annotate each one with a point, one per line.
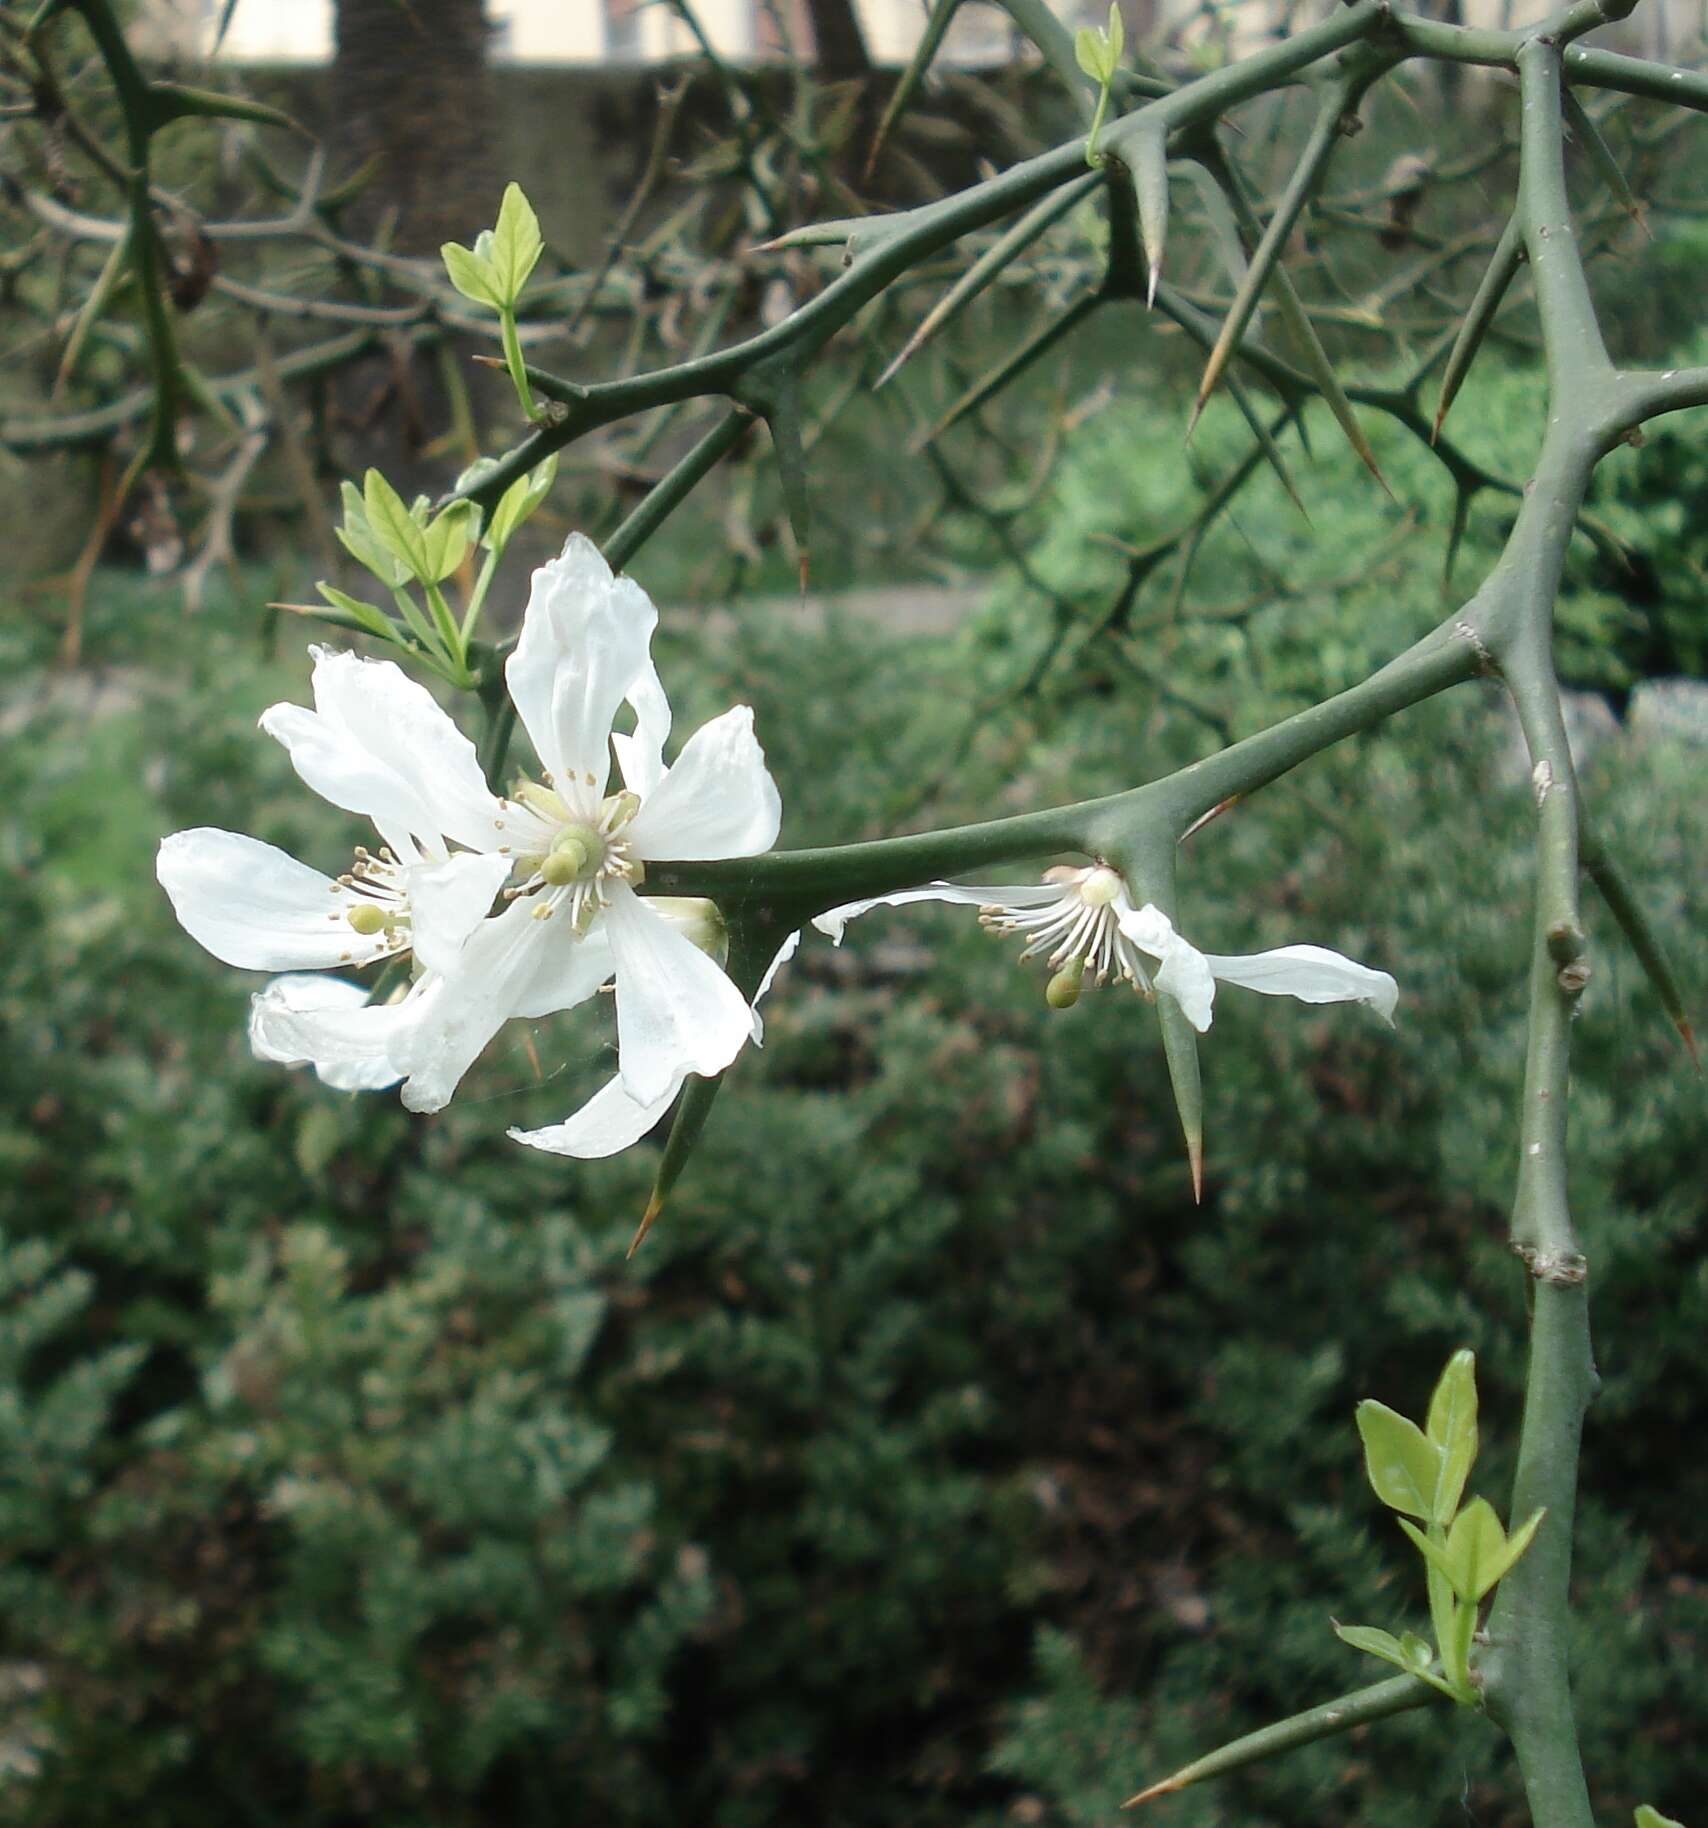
(1505, 629)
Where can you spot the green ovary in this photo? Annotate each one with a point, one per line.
(577, 853)
(366, 918)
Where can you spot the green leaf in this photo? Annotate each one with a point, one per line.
(1374, 1642)
(1404, 1467)
(517, 502)
(516, 244)
(1115, 37)
(1088, 50)
(1419, 1652)
(1433, 1552)
(370, 615)
(393, 525)
(446, 540)
(1476, 1551)
(472, 276)
(364, 545)
(1452, 1427)
(1648, 1816)
(1518, 1542)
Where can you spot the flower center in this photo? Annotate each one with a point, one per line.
(1076, 934)
(570, 852)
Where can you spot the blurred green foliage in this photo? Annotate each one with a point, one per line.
(936, 1461)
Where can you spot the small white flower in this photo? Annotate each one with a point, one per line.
(1082, 923)
(375, 742)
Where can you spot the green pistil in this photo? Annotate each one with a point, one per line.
(577, 853)
(1062, 991)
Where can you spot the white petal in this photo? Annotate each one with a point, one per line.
(641, 756)
(610, 1120)
(252, 906)
(1313, 974)
(329, 1023)
(582, 648)
(1183, 970)
(502, 971)
(1010, 895)
(378, 744)
(785, 952)
(676, 1011)
(717, 801)
(404, 727)
(448, 900)
(567, 972)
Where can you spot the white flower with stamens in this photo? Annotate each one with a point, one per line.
(1082, 923)
(579, 851)
(565, 854)
(375, 742)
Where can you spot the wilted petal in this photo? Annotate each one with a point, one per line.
(785, 952)
(582, 648)
(251, 905)
(609, 1121)
(641, 756)
(1313, 974)
(503, 970)
(328, 1023)
(676, 1010)
(448, 900)
(834, 921)
(717, 801)
(1183, 971)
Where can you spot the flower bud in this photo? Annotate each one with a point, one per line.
(698, 921)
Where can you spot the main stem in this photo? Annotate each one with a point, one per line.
(1525, 1674)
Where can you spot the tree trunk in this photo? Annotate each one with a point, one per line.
(410, 89)
(410, 84)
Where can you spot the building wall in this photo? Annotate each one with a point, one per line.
(646, 31)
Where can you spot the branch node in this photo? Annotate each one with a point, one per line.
(1479, 647)
(1562, 1269)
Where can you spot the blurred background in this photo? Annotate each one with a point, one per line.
(936, 1460)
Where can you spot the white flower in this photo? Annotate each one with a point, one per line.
(1081, 922)
(578, 854)
(375, 742)
(566, 854)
